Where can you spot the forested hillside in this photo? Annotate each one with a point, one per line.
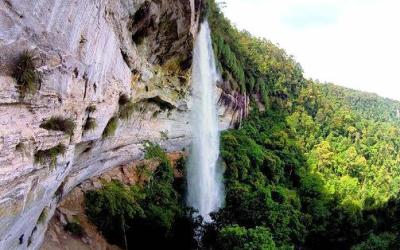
(313, 166)
(319, 169)
(370, 106)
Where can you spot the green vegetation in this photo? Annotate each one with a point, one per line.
(58, 123)
(110, 207)
(320, 169)
(240, 238)
(111, 127)
(44, 156)
(74, 228)
(151, 215)
(90, 124)
(27, 76)
(355, 154)
(370, 106)
(252, 65)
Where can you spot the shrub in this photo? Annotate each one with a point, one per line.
(240, 238)
(90, 124)
(151, 214)
(378, 242)
(180, 164)
(74, 228)
(154, 151)
(111, 127)
(58, 123)
(26, 74)
(143, 171)
(112, 206)
(42, 156)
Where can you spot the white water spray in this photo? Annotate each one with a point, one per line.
(205, 188)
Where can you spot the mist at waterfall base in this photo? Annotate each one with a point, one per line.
(204, 175)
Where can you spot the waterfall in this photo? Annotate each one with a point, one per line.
(204, 177)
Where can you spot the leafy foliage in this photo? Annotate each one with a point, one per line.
(239, 238)
(319, 169)
(369, 106)
(152, 215)
(110, 207)
(378, 242)
(262, 163)
(355, 153)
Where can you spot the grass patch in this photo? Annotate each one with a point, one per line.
(90, 124)
(43, 156)
(57, 123)
(26, 74)
(74, 228)
(111, 127)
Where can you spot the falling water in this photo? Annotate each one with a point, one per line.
(205, 189)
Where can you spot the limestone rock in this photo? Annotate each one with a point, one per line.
(89, 53)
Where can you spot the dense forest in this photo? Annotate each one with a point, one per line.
(313, 166)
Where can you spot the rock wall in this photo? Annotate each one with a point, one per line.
(89, 53)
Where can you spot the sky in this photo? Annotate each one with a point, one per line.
(353, 43)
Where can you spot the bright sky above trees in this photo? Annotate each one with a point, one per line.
(355, 43)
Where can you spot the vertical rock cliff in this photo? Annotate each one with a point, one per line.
(96, 59)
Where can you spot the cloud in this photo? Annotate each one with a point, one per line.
(355, 43)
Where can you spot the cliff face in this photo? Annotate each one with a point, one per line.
(89, 53)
